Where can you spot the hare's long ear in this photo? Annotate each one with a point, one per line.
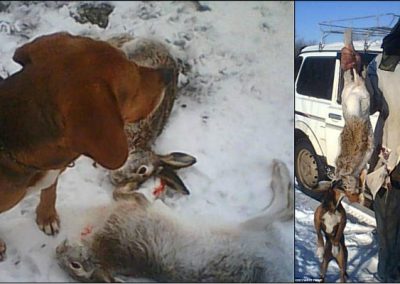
(94, 126)
(177, 160)
(173, 180)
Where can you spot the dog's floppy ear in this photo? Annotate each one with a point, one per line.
(39, 49)
(22, 54)
(95, 127)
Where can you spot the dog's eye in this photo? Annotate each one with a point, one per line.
(75, 265)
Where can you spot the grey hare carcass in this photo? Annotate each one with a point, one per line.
(142, 161)
(140, 238)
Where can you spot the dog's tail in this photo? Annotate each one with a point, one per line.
(281, 206)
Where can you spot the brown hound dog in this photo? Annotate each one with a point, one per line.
(330, 218)
(72, 97)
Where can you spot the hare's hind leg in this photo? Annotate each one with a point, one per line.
(281, 206)
(282, 187)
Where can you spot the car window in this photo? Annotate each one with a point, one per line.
(297, 64)
(316, 77)
(366, 58)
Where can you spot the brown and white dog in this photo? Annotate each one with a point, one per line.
(330, 219)
(71, 98)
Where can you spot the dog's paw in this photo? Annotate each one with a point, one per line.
(50, 225)
(2, 250)
(320, 252)
(335, 250)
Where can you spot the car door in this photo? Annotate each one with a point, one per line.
(334, 119)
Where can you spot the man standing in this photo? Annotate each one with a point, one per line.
(383, 83)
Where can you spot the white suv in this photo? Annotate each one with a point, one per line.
(318, 112)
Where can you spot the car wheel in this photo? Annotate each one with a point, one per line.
(309, 169)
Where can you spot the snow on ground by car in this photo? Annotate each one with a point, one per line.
(360, 237)
(234, 114)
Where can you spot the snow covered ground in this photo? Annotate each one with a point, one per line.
(234, 115)
(361, 242)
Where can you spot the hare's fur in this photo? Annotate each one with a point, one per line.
(152, 54)
(142, 134)
(143, 239)
(356, 139)
(356, 145)
(355, 96)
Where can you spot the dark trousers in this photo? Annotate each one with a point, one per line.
(387, 214)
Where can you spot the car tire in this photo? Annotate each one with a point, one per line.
(309, 168)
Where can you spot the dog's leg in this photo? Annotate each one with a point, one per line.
(46, 214)
(339, 233)
(342, 262)
(320, 239)
(322, 251)
(323, 268)
(326, 259)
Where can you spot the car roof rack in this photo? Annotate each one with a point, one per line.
(382, 27)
